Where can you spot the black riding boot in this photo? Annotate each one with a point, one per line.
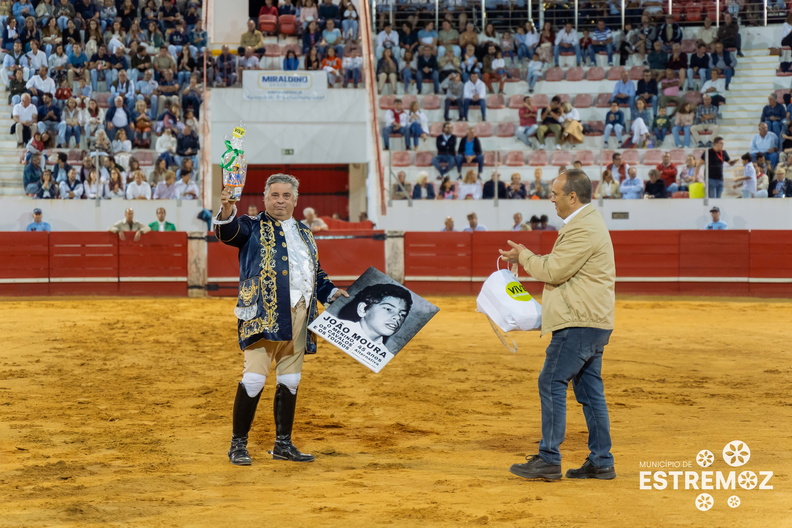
(244, 411)
(285, 403)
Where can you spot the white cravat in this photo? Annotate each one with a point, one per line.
(301, 265)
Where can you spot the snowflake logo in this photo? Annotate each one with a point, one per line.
(704, 502)
(705, 458)
(733, 502)
(736, 453)
(747, 480)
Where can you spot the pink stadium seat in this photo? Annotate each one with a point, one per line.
(407, 100)
(605, 157)
(597, 128)
(423, 158)
(693, 13)
(102, 98)
(603, 100)
(431, 102)
(505, 130)
(288, 24)
(689, 45)
(540, 100)
(495, 102)
(564, 98)
(631, 156)
(386, 102)
(697, 154)
(514, 75)
(582, 101)
(575, 74)
(653, 158)
(586, 157)
(614, 74)
(636, 73)
(78, 155)
(460, 129)
(145, 157)
(678, 156)
(483, 129)
(538, 158)
(515, 158)
(296, 48)
(780, 73)
(515, 101)
(562, 158)
(268, 23)
(401, 158)
(693, 97)
(780, 94)
(435, 129)
(554, 75)
(681, 194)
(272, 50)
(595, 74)
(491, 158)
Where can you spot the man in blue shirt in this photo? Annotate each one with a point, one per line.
(716, 223)
(77, 65)
(329, 11)
(773, 113)
(767, 143)
(37, 224)
(632, 188)
(601, 40)
(624, 91)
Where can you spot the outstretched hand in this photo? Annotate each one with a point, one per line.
(338, 294)
(512, 256)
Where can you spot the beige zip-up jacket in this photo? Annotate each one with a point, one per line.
(579, 275)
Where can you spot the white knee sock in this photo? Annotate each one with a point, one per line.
(292, 381)
(253, 383)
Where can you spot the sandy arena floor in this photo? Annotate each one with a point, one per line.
(116, 412)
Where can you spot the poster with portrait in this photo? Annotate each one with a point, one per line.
(374, 323)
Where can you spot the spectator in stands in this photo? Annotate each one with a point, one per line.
(118, 117)
(473, 224)
(491, 75)
(669, 86)
(698, 67)
(166, 190)
(641, 119)
(409, 69)
(668, 172)
(427, 68)
(670, 33)
(388, 39)
(417, 124)
(15, 60)
(527, 39)
(748, 179)
(225, 68)
(93, 121)
(683, 120)
(71, 189)
(198, 37)
(632, 188)
(328, 11)
(614, 122)
(247, 62)
(624, 91)
(40, 84)
(678, 63)
(707, 34)
(251, 38)
(516, 190)
(546, 42)
(475, 94)
(647, 91)
(448, 224)
(630, 44)
(551, 119)
(78, 65)
(470, 63)
(16, 88)
(187, 145)
(25, 115)
(657, 59)
(468, 37)
(470, 152)
(454, 89)
(572, 133)
(353, 66)
(448, 64)
(167, 91)
(607, 188)
(395, 123)
(70, 125)
(139, 189)
(313, 222)
(535, 68)
(528, 127)
(716, 223)
(129, 224)
(313, 62)
(715, 87)
(99, 65)
(470, 187)
(773, 114)
(781, 186)
(311, 37)
(544, 225)
(729, 34)
(488, 36)
(123, 87)
(617, 167)
(60, 171)
(331, 39)
(31, 175)
(423, 190)
(448, 40)
(402, 189)
(349, 22)
(601, 40)
(567, 40)
(445, 159)
(706, 122)
(186, 188)
(34, 146)
(722, 60)
(387, 72)
(786, 145)
(93, 188)
(767, 143)
(408, 39)
(49, 115)
(518, 222)
(715, 157)
(538, 189)
(655, 187)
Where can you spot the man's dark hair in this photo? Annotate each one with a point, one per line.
(616, 156)
(397, 100)
(62, 157)
(371, 295)
(747, 157)
(578, 182)
(534, 220)
(717, 140)
(446, 123)
(543, 219)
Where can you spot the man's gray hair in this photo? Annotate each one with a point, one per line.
(308, 210)
(578, 182)
(282, 178)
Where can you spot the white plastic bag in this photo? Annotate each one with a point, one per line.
(504, 300)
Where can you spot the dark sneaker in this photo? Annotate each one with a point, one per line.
(589, 470)
(537, 469)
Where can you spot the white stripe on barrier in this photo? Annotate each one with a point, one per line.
(83, 279)
(93, 279)
(153, 279)
(24, 281)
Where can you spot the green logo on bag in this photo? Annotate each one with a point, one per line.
(517, 292)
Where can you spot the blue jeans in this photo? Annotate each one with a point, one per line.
(481, 103)
(593, 50)
(407, 78)
(559, 49)
(677, 140)
(449, 102)
(65, 133)
(660, 134)
(353, 75)
(715, 188)
(386, 134)
(460, 159)
(414, 131)
(440, 159)
(524, 133)
(419, 77)
(774, 127)
(533, 78)
(575, 354)
(349, 28)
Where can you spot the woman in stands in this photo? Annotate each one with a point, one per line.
(311, 37)
(48, 189)
(93, 188)
(470, 188)
(93, 121)
(312, 60)
(572, 129)
(546, 42)
(489, 36)
(154, 39)
(388, 71)
(447, 189)
(690, 173)
(10, 34)
(70, 124)
(353, 65)
(308, 13)
(166, 147)
(29, 32)
(158, 173)
(683, 120)
(268, 9)
(607, 188)
(349, 24)
(423, 190)
(418, 125)
(116, 187)
(51, 36)
(641, 119)
(141, 127)
(332, 66)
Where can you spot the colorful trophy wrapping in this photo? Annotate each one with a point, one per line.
(233, 163)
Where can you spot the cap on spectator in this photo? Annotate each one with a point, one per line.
(715, 210)
(36, 211)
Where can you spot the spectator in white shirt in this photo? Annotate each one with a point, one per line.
(25, 114)
(567, 40)
(475, 95)
(396, 122)
(166, 190)
(138, 189)
(715, 87)
(41, 84)
(71, 189)
(118, 117)
(248, 62)
(186, 189)
(36, 58)
(387, 38)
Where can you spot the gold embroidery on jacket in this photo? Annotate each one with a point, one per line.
(269, 289)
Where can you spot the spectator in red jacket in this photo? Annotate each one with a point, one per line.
(668, 173)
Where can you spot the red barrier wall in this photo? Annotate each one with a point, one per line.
(24, 257)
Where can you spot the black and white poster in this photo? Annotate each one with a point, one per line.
(374, 323)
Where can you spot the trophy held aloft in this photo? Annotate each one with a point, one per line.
(233, 163)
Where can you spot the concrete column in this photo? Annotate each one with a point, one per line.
(394, 255)
(196, 264)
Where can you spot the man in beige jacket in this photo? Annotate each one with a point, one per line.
(577, 308)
